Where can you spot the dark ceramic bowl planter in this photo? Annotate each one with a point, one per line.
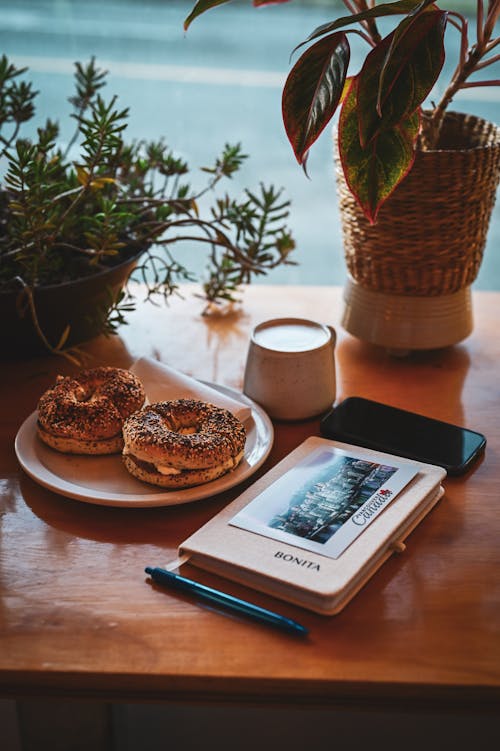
(79, 304)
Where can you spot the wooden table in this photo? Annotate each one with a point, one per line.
(78, 619)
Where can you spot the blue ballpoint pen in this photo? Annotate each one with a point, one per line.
(175, 581)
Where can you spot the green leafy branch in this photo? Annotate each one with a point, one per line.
(64, 217)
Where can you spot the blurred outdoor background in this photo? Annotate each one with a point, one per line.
(221, 82)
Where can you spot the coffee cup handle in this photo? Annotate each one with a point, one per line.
(333, 333)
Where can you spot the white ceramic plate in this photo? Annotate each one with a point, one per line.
(105, 481)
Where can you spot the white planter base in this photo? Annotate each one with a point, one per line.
(402, 324)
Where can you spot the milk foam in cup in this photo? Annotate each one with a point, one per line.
(291, 337)
(290, 368)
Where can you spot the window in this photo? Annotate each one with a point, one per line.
(219, 83)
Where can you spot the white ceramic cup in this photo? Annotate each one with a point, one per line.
(290, 368)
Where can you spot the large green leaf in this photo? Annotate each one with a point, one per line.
(372, 172)
(313, 90)
(411, 69)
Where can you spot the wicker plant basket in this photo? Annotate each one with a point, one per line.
(410, 274)
(430, 235)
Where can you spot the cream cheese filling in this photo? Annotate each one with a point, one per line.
(163, 469)
(231, 462)
(166, 469)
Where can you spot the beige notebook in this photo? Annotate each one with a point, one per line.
(318, 525)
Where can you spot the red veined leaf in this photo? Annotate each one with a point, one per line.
(312, 91)
(410, 73)
(258, 3)
(401, 7)
(203, 5)
(372, 172)
(347, 85)
(200, 7)
(428, 27)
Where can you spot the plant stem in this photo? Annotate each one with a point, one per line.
(470, 61)
(73, 355)
(370, 23)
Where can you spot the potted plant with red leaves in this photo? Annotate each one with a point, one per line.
(416, 186)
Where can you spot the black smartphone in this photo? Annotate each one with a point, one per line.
(396, 431)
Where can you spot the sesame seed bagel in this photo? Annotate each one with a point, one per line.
(181, 443)
(84, 413)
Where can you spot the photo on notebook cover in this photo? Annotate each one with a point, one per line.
(326, 500)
